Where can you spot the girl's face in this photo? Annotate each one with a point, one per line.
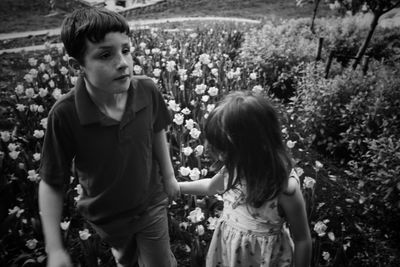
(108, 65)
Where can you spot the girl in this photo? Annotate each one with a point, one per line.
(261, 195)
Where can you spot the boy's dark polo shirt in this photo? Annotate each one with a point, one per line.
(113, 160)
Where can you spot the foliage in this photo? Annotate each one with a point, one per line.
(354, 119)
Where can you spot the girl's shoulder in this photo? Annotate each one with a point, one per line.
(292, 184)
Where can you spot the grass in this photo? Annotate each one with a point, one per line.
(24, 15)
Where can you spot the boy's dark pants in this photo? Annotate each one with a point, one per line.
(146, 242)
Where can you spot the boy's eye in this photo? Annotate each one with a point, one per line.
(126, 50)
(104, 55)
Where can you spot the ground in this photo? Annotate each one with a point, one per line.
(24, 15)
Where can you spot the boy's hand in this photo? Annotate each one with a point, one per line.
(172, 188)
(58, 258)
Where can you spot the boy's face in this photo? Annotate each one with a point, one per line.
(108, 65)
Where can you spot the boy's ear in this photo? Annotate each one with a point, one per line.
(74, 65)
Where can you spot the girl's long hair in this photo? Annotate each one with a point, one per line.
(245, 129)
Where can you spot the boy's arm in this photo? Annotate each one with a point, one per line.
(51, 206)
(208, 186)
(293, 205)
(162, 153)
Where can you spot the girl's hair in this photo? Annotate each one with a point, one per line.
(245, 129)
(89, 24)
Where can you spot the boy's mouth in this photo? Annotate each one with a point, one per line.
(122, 77)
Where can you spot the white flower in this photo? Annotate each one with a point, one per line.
(31, 243)
(46, 77)
(38, 133)
(214, 71)
(204, 171)
(212, 223)
(189, 124)
(84, 234)
(12, 147)
(253, 76)
(320, 228)
(19, 89)
(33, 176)
(5, 136)
(204, 59)
(36, 157)
(56, 93)
(171, 66)
(197, 72)
(291, 144)
(65, 225)
(299, 171)
(178, 119)
(52, 84)
(318, 165)
(43, 122)
(147, 51)
(184, 225)
(187, 151)
(213, 91)
(74, 79)
(43, 92)
(196, 215)
(40, 109)
(194, 133)
(257, 89)
(33, 107)
(199, 150)
(16, 210)
(331, 236)
(30, 93)
(326, 256)
(194, 174)
(186, 111)
(137, 69)
(200, 89)
(210, 107)
(28, 78)
(157, 72)
(47, 58)
(184, 171)
(174, 106)
(14, 154)
(308, 182)
(142, 45)
(64, 70)
(200, 230)
(32, 61)
(205, 98)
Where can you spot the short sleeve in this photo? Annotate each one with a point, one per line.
(162, 117)
(57, 152)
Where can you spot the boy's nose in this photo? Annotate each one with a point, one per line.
(122, 61)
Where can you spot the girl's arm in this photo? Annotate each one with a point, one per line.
(206, 186)
(162, 154)
(293, 205)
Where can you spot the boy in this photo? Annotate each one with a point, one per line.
(111, 126)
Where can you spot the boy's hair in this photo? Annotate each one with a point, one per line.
(89, 24)
(245, 129)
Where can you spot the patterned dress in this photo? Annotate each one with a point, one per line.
(247, 236)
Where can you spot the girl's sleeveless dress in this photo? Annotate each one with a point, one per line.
(247, 236)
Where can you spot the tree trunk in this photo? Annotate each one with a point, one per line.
(364, 46)
(314, 15)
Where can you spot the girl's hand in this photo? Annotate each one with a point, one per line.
(172, 188)
(58, 258)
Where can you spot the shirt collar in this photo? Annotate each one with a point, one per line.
(89, 113)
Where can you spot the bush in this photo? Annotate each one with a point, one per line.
(354, 119)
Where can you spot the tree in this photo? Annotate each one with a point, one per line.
(376, 7)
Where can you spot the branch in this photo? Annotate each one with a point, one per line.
(391, 7)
